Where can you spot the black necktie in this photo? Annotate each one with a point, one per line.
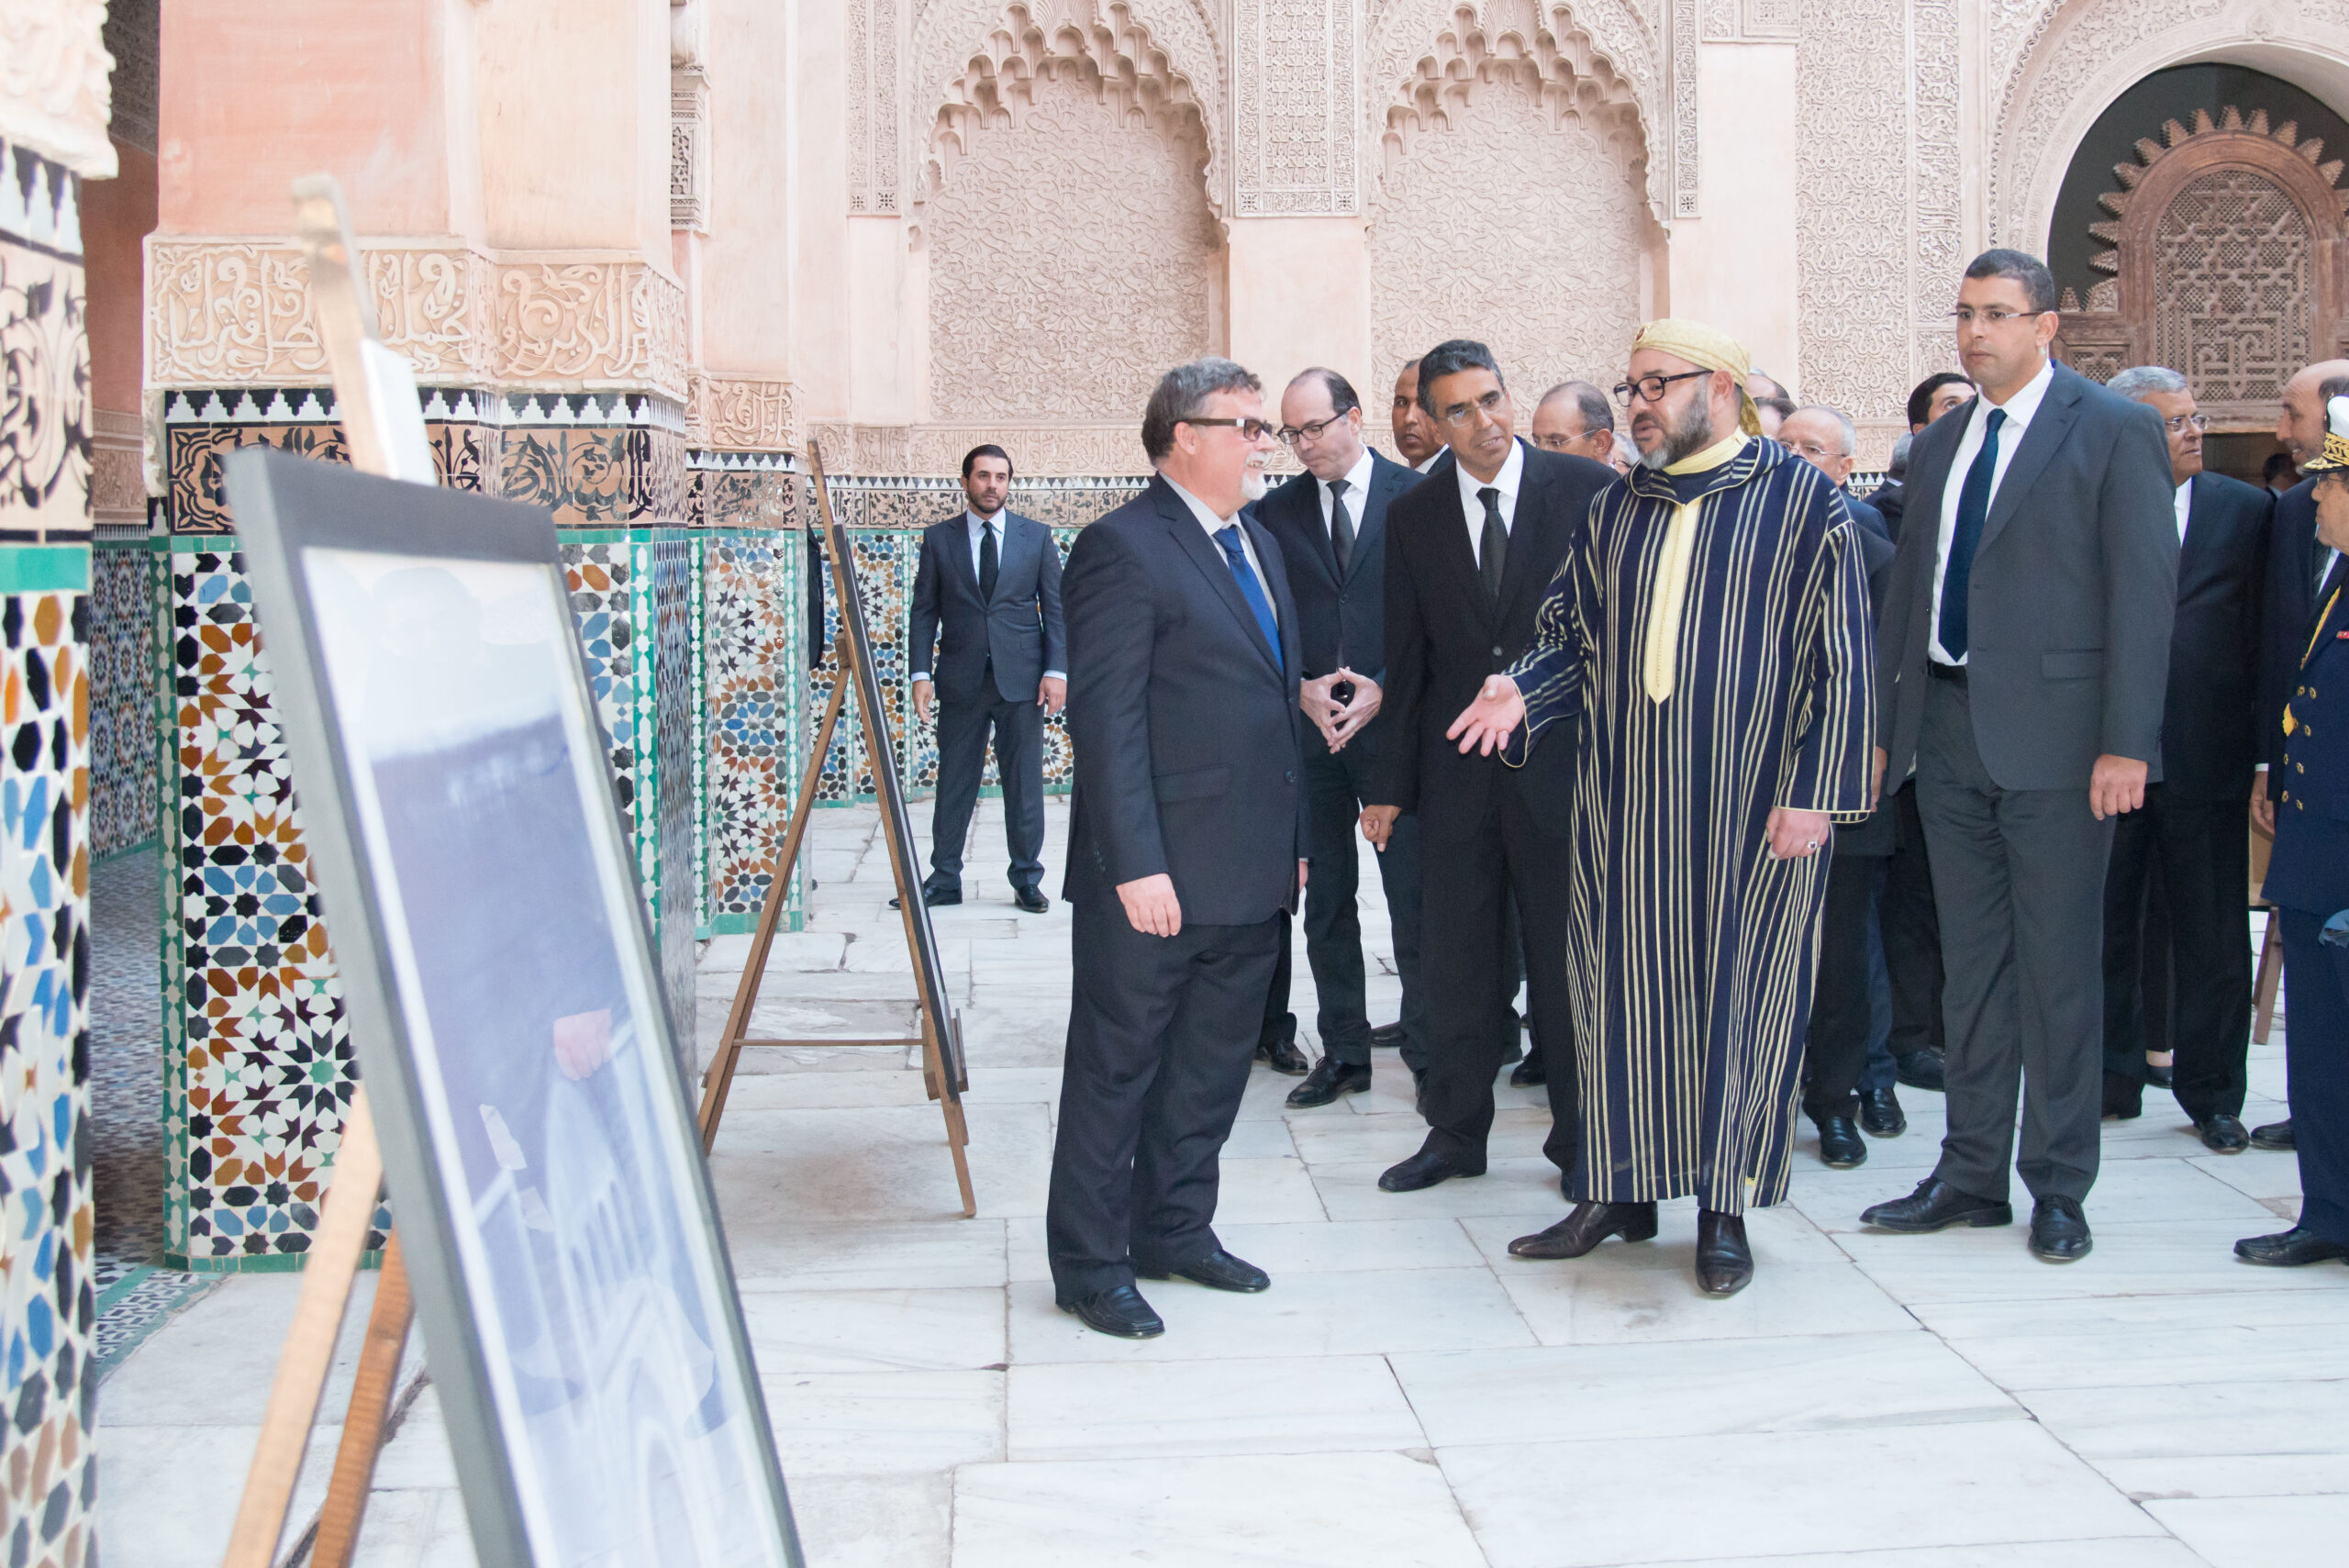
(987, 564)
(1973, 511)
(1341, 528)
(1493, 554)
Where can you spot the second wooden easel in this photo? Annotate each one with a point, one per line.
(940, 1038)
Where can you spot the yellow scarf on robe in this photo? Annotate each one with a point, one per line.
(1670, 601)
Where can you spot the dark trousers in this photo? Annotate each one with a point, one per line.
(2018, 880)
(963, 731)
(1159, 1042)
(2316, 1068)
(2198, 852)
(1336, 787)
(1835, 1051)
(1470, 869)
(1912, 932)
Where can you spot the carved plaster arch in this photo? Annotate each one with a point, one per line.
(1167, 50)
(1607, 44)
(2079, 55)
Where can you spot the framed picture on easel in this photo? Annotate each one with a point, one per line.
(539, 1150)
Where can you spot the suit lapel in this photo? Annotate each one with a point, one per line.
(1019, 545)
(956, 542)
(1528, 534)
(1209, 557)
(1284, 602)
(1453, 545)
(2045, 432)
(1317, 533)
(1387, 481)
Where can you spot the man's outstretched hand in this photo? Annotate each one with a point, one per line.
(1491, 719)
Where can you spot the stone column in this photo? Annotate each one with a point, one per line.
(506, 168)
(53, 106)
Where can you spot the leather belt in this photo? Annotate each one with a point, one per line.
(1942, 671)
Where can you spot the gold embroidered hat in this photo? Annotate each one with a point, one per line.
(2336, 439)
(1712, 349)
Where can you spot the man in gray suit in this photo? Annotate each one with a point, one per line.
(2023, 658)
(988, 601)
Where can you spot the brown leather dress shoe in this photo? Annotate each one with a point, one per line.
(1586, 1227)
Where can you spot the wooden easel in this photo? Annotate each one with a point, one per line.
(368, 379)
(939, 1026)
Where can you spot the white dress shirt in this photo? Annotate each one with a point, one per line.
(1215, 525)
(1357, 480)
(2020, 409)
(1507, 481)
(976, 526)
(2185, 507)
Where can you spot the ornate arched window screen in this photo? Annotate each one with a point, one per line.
(2225, 264)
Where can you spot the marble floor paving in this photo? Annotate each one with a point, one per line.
(1406, 1393)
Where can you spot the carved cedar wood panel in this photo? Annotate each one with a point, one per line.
(1069, 255)
(2226, 264)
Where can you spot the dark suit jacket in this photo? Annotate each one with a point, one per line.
(2073, 589)
(1183, 720)
(2309, 868)
(1443, 637)
(1019, 629)
(1890, 500)
(2286, 604)
(1344, 619)
(2210, 724)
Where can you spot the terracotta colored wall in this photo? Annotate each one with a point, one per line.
(116, 214)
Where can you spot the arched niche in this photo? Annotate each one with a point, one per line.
(2225, 261)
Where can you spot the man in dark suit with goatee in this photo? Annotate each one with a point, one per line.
(1469, 552)
(1331, 523)
(988, 602)
(2191, 837)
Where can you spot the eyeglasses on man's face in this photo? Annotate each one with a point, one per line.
(1650, 388)
(1311, 431)
(1253, 429)
(1813, 450)
(1966, 315)
(1460, 414)
(2178, 424)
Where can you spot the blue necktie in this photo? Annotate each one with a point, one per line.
(1973, 510)
(1229, 537)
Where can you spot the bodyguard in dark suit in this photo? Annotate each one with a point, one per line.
(1331, 523)
(2025, 650)
(1835, 1050)
(990, 583)
(1186, 841)
(1470, 550)
(2191, 837)
(2308, 881)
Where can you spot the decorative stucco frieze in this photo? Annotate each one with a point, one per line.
(1296, 85)
(55, 98)
(735, 413)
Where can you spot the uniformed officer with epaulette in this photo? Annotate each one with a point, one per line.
(2308, 881)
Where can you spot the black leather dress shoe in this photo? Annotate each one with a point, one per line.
(2223, 1134)
(1387, 1036)
(2059, 1231)
(1880, 1113)
(1922, 1070)
(1586, 1227)
(1120, 1310)
(1529, 1072)
(1032, 899)
(1283, 1055)
(2275, 1135)
(2125, 1097)
(1724, 1261)
(1426, 1168)
(2160, 1076)
(935, 898)
(1329, 1079)
(2288, 1249)
(1936, 1205)
(1841, 1147)
(1219, 1270)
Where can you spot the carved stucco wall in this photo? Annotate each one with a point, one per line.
(2057, 64)
(1542, 264)
(1295, 94)
(1877, 231)
(1078, 315)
